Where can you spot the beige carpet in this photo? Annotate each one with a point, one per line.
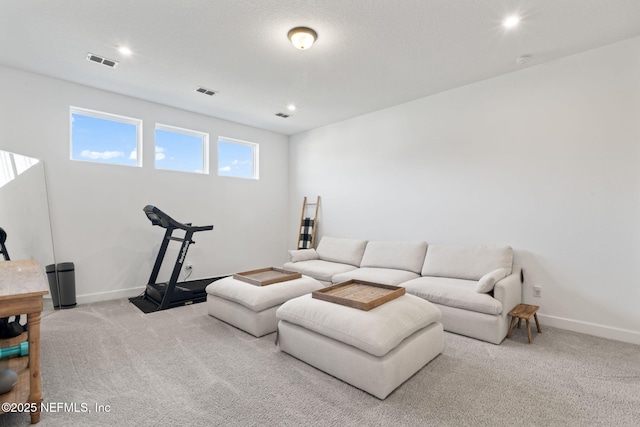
(183, 367)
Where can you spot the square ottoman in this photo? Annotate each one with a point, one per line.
(253, 308)
(375, 351)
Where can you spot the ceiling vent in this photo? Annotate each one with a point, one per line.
(206, 91)
(102, 60)
(284, 116)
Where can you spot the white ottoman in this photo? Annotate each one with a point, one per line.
(253, 308)
(374, 350)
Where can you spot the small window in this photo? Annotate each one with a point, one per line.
(237, 158)
(181, 150)
(105, 138)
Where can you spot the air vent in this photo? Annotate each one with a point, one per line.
(102, 60)
(206, 91)
(284, 116)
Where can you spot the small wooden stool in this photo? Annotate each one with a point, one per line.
(524, 311)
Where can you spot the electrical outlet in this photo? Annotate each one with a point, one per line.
(537, 291)
(188, 266)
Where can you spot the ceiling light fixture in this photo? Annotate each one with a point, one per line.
(302, 37)
(291, 107)
(511, 21)
(124, 50)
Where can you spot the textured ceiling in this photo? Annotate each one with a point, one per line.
(370, 54)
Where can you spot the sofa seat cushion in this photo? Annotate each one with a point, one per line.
(456, 293)
(385, 276)
(319, 269)
(258, 298)
(376, 331)
(397, 255)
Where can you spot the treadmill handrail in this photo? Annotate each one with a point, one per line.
(157, 217)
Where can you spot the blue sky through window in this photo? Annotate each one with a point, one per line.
(236, 159)
(105, 141)
(179, 152)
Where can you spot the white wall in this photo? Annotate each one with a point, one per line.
(546, 159)
(96, 209)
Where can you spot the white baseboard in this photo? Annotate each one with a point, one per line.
(103, 296)
(588, 328)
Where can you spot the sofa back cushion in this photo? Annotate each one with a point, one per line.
(466, 262)
(407, 256)
(344, 251)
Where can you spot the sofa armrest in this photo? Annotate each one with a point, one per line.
(302, 255)
(509, 291)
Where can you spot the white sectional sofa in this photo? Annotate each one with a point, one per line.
(474, 287)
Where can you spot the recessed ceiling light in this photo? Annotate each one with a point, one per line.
(511, 21)
(124, 50)
(291, 107)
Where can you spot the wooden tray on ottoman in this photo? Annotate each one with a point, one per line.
(267, 276)
(359, 294)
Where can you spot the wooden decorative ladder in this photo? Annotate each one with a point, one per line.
(308, 224)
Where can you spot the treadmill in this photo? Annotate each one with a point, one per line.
(173, 293)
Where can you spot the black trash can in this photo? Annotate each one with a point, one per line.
(67, 285)
(53, 285)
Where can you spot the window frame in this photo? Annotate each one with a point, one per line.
(188, 132)
(255, 158)
(110, 117)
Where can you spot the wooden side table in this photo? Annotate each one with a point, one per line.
(524, 311)
(22, 286)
